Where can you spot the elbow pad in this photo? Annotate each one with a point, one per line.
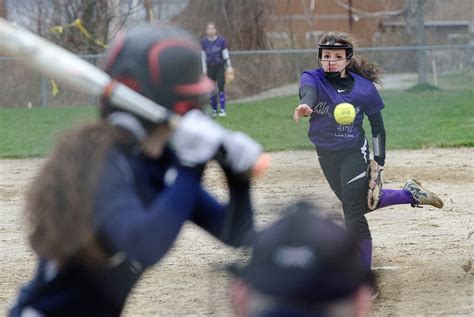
(226, 57)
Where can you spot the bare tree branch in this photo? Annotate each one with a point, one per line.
(373, 14)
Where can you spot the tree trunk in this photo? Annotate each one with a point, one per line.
(149, 10)
(3, 9)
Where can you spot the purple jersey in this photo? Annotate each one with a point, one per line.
(213, 50)
(324, 131)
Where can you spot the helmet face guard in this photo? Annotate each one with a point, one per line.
(348, 48)
(334, 46)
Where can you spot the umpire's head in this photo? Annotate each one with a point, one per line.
(302, 265)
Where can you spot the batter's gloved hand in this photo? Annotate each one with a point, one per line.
(197, 138)
(239, 153)
(374, 172)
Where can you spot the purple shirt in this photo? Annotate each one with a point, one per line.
(213, 50)
(324, 131)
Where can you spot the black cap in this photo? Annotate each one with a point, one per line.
(305, 257)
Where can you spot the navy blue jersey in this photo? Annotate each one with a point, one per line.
(324, 131)
(140, 206)
(213, 50)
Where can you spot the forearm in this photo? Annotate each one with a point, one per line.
(308, 95)
(238, 224)
(146, 234)
(378, 137)
(204, 62)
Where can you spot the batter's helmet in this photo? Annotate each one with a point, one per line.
(162, 63)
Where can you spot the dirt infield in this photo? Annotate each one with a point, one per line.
(418, 252)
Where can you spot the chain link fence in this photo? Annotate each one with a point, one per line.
(259, 71)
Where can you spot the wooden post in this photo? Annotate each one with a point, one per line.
(435, 73)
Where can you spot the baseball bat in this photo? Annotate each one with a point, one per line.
(60, 64)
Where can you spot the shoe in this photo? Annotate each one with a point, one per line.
(222, 114)
(374, 293)
(421, 195)
(214, 113)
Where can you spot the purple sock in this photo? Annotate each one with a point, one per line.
(391, 197)
(366, 249)
(213, 99)
(222, 100)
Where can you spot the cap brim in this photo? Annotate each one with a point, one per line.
(203, 86)
(311, 286)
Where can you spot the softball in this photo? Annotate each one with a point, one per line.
(344, 113)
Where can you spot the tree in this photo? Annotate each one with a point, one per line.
(3, 9)
(412, 13)
(82, 26)
(241, 22)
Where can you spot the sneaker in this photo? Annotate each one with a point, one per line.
(214, 113)
(422, 195)
(374, 293)
(222, 113)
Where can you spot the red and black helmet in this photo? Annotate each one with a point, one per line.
(161, 62)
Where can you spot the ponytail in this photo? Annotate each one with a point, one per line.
(362, 67)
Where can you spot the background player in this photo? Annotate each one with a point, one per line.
(216, 62)
(113, 196)
(303, 265)
(343, 150)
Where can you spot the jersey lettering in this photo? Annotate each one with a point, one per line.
(322, 109)
(344, 130)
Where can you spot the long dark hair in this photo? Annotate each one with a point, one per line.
(59, 201)
(357, 64)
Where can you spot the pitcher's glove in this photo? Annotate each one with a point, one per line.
(229, 75)
(374, 172)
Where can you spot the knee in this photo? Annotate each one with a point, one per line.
(358, 225)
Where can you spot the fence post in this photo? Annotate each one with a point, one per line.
(44, 90)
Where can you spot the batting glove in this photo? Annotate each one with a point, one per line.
(197, 138)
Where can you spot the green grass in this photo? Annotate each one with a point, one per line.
(458, 80)
(32, 132)
(412, 120)
(429, 119)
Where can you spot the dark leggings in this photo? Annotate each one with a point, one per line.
(345, 172)
(216, 73)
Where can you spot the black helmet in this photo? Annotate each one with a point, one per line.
(335, 41)
(332, 42)
(162, 63)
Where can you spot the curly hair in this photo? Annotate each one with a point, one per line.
(59, 201)
(357, 64)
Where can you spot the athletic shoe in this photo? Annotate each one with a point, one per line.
(374, 293)
(214, 113)
(421, 195)
(222, 113)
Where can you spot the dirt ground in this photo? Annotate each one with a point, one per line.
(418, 252)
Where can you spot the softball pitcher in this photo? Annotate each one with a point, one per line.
(216, 63)
(343, 150)
(113, 196)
